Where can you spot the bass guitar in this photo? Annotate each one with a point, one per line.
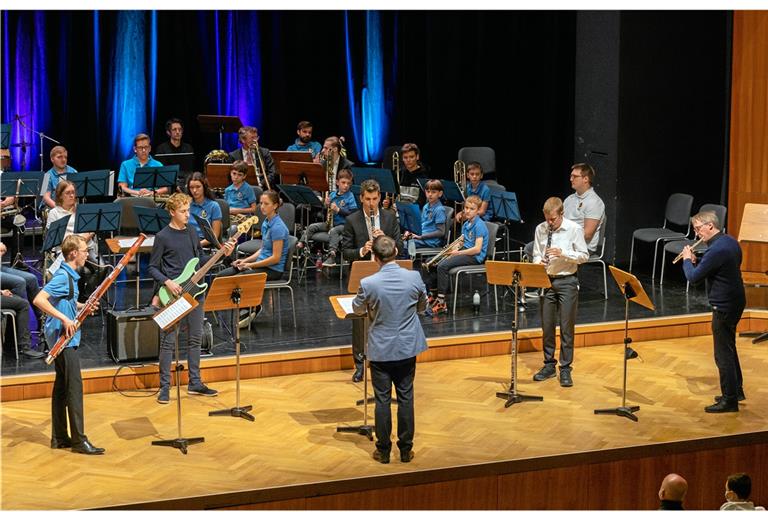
(189, 279)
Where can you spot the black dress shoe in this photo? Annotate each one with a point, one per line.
(33, 354)
(406, 456)
(565, 378)
(61, 443)
(740, 397)
(382, 457)
(358, 375)
(723, 406)
(546, 372)
(87, 448)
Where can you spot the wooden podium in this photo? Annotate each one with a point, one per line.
(754, 228)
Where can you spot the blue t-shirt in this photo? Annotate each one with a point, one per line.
(54, 177)
(242, 197)
(128, 169)
(471, 231)
(484, 191)
(432, 217)
(58, 289)
(208, 210)
(272, 230)
(346, 203)
(313, 146)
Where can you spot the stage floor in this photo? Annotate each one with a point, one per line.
(459, 422)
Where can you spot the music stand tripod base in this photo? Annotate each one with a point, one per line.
(514, 398)
(180, 443)
(626, 411)
(237, 412)
(363, 430)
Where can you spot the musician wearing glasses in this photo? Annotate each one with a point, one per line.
(584, 206)
(142, 158)
(248, 137)
(66, 204)
(720, 268)
(304, 140)
(560, 246)
(59, 171)
(360, 230)
(469, 249)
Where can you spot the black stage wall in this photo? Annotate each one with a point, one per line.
(539, 87)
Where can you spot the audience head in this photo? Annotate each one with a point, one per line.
(738, 487)
(384, 249)
(673, 488)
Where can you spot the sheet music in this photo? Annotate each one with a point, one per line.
(126, 243)
(172, 312)
(346, 304)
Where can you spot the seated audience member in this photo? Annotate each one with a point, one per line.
(672, 492)
(434, 223)
(304, 140)
(738, 488)
(204, 206)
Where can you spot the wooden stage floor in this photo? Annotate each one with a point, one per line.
(459, 422)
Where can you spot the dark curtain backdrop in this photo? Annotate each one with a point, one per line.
(440, 79)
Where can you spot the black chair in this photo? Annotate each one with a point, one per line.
(483, 155)
(676, 246)
(129, 222)
(469, 270)
(678, 213)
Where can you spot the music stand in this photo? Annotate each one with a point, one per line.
(54, 235)
(301, 195)
(220, 124)
(290, 156)
(754, 228)
(452, 192)
(98, 217)
(410, 216)
(151, 220)
(92, 183)
(517, 275)
(304, 173)
(153, 178)
(232, 293)
(505, 208)
(633, 291)
(207, 230)
(382, 176)
(21, 184)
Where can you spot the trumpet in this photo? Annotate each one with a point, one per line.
(437, 258)
(680, 256)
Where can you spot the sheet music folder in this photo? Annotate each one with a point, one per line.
(172, 314)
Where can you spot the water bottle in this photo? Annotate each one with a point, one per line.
(319, 260)
(476, 303)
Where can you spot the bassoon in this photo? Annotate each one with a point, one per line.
(93, 300)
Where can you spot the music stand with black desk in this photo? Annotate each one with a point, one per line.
(22, 184)
(382, 176)
(185, 163)
(633, 291)
(93, 183)
(153, 178)
(219, 124)
(54, 235)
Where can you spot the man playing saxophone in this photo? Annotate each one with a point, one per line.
(474, 247)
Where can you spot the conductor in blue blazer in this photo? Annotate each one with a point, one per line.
(393, 297)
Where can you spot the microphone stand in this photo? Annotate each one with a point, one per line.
(42, 136)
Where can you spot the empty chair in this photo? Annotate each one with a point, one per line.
(598, 258)
(677, 213)
(676, 246)
(129, 222)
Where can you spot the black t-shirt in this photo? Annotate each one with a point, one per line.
(167, 147)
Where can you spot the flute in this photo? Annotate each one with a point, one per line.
(680, 256)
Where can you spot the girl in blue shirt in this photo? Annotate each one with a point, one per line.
(204, 206)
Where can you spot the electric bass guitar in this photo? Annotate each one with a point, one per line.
(189, 279)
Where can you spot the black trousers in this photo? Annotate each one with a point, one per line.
(401, 374)
(726, 358)
(558, 304)
(67, 398)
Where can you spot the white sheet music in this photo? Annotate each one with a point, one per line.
(171, 312)
(126, 243)
(346, 304)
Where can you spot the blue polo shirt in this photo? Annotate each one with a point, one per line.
(346, 203)
(313, 146)
(54, 177)
(431, 218)
(272, 230)
(128, 169)
(242, 197)
(208, 210)
(58, 289)
(484, 191)
(471, 231)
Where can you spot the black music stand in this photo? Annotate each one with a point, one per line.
(220, 124)
(153, 178)
(452, 192)
(382, 176)
(510, 273)
(207, 230)
(304, 173)
(21, 184)
(410, 216)
(92, 183)
(151, 220)
(232, 293)
(633, 291)
(505, 208)
(54, 235)
(98, 217)
(301, 195)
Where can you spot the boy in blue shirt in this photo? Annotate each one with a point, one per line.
(141, 147)
(476, 187)
(59, 171)
(58, 299)
(240, 195)
(473, 252)
(342, 202)
(434, 226)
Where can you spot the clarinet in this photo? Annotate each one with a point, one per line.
(545, 259)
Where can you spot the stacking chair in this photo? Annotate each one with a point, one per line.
(431, 251)
(598, 258)
(284, 283)
(676, 246)
(9, 313)
(457, 272)
(678, 213)
(287, 212)
(484, 155)
(129, 222)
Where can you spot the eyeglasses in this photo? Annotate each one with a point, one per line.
(142, 148)
(698, 228)
(573, 176)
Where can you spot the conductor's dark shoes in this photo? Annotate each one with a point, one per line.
(723, 406)
(87, 448)
(358, 375)
(61, 443)
(382, 457)
(740, 397)
(547, 372)
(406, 456)
(565, 378)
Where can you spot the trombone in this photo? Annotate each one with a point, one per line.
(460, 177)
(396, 170)
(261, 174)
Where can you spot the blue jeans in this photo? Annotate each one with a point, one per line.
(23, 284)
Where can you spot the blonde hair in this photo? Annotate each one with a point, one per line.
(474, 200)
(553, 205)
(55, 150)
(71, 244)
(176, 201)
(707, 217)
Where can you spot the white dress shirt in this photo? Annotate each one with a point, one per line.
(569, 238)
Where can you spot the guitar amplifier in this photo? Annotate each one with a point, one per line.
(133, 336)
